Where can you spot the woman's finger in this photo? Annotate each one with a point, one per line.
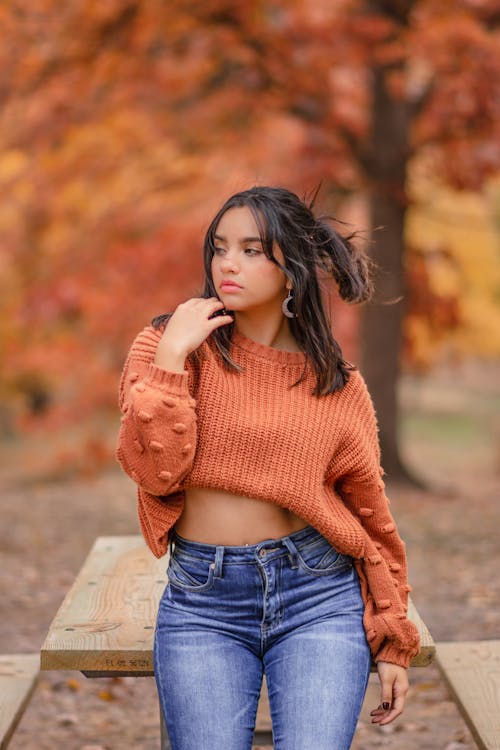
(386, 716)
(394, 687)
(221, 320)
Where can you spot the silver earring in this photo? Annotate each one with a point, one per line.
(284, 306)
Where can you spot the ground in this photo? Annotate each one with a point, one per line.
(48, 525)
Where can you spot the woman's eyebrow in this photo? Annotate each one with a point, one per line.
(243, 239)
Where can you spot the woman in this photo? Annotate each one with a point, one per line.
(255, 450)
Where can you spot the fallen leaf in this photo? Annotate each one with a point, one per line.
(106, 695)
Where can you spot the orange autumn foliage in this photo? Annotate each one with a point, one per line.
(126, 123)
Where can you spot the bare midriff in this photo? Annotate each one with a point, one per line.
(218, 517)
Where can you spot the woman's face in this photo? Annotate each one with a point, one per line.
(240, 258)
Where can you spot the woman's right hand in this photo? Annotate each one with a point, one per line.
(190, 324)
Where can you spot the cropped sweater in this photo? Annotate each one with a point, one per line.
(251, 433)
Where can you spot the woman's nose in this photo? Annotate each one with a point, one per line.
(228, 263)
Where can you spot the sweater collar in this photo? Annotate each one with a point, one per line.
(267, 352)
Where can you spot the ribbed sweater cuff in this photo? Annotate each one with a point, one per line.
(394, 655)
(173, 382)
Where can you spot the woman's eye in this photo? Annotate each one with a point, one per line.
(252, 251)
(218, 250)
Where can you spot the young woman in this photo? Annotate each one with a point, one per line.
(255, 450)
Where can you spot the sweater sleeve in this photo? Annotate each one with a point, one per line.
(157, 436)
(383, 568)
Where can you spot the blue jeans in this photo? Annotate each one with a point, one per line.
(290, 608)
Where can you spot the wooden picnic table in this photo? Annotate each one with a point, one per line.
(471, 670)
(105, 625)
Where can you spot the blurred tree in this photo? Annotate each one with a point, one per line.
(452, 274)
(428, 94)
(390, 80)
(124, 122)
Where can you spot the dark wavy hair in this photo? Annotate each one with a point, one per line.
(309, 244)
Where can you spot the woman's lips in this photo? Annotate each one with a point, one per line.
(228, 286)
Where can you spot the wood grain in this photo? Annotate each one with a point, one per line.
(427, 645)
(107, 619)
(471, 670)
(18, 676)
(105, 625)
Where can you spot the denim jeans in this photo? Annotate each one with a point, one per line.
(290, 608)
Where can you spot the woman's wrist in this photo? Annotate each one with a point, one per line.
(169, 359)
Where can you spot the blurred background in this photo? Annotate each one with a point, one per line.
(124, 126)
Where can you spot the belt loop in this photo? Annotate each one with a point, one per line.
(219, 556)
(292, 551)
(171, 544)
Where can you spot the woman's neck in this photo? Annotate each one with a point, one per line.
(270, 332)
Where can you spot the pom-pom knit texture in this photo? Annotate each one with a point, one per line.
(252, 434)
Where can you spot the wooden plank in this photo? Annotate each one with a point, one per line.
(427, 645)
(471, 670)
(263, 721)
(106, 622)
(18, 676)
(107, 619)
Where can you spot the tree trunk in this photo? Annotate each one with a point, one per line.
(382, 318)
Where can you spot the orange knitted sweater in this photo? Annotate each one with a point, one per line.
(251, 434)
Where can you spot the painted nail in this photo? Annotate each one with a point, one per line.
(386, 706)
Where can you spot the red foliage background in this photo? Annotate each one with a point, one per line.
(125, 124)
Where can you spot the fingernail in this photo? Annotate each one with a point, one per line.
(386, 706)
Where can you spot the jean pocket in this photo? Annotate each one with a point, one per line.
(320, 558)
(190, 573)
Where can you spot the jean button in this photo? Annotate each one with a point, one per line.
(262, 553)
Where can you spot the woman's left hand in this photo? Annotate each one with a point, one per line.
(394, 687)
